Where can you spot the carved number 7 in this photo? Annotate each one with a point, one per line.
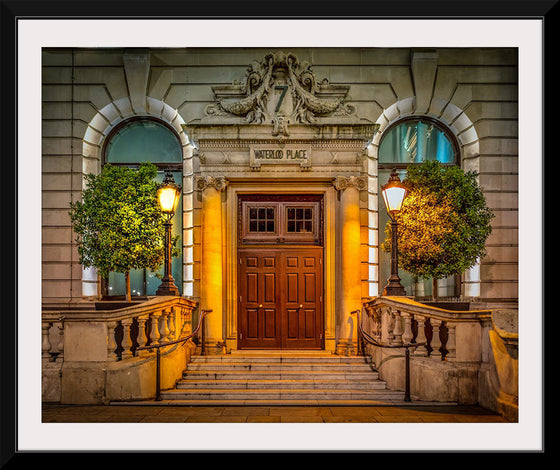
(284, 89)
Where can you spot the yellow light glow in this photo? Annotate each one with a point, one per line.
(394, 197)
(168, 198)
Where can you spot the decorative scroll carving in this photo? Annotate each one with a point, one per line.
(279, 90)
(342, 182)
(217, 182)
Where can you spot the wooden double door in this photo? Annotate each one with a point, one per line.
(280, 303)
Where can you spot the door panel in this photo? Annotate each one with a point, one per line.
(302, 307)
(257, 307)
(280, 302)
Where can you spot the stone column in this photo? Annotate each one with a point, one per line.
(351, 285)
(211, 281)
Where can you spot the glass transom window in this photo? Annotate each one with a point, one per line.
(415, 141)
(144, 141)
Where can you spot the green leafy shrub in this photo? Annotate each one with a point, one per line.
(444, 221)
(118, 223)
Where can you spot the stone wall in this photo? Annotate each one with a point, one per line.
(86, 92)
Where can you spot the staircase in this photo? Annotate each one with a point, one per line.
(280, 378)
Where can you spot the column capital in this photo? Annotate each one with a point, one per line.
(343, 182)
(217, 182)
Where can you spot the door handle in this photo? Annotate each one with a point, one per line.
(300, 306)
(260, 306)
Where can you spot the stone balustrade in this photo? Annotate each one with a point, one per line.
(461, 357)
(105, 349)
(158, 320)
(445, 333)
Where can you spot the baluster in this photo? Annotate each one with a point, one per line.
(164, 327)
(395, 323)
(127, 340)
(154, 331)
(46, 342)
(407, 335)
(390, 322)
(451, 345)
(60, 356)
(111, 343)
(142, 338)
(421, 350)
(436, 341)
(182, 316)
(373, 326)
(374, 323)
(172, 322)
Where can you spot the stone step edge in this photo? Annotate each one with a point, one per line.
(278, 368)
(323, 357)
(275, 385)
(244, 394)
(279, 364)
(268, 381)
(287, 373)
(284, 402)
(252, 391)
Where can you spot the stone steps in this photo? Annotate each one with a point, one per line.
(276, 394)
(279, 377)
(253, 384)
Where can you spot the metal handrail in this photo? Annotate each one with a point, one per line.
(158, 346)
(365, 336)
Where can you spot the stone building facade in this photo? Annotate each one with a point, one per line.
(280, 169)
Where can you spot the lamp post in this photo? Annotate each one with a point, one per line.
(394, 193)
(168, 196)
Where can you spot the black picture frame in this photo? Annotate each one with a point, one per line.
(14, 11)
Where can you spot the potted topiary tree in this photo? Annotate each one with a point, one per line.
(118, 223)
(443, 223)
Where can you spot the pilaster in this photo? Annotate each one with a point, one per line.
(211, 285)
(349, 187)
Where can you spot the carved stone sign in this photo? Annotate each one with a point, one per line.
(280, 90)
(279, 155)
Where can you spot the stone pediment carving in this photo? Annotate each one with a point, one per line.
(280, 90)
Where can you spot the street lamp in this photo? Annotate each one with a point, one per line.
(394, 193)
(168, 196)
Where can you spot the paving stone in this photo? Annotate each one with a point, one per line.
(299, 411)
(271, 414)
(263, 419)
(301, 419)
(349, 419)
(216, 419)
(245, 411)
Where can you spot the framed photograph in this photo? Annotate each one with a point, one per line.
(281, 133)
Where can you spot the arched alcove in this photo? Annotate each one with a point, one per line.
(98, 130)
(462, 130)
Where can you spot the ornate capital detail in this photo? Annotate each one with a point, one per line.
(342, 182)
(217, 182)
(282, 90)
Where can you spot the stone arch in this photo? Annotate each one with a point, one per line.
(93, 140)
(450, 115)
(454, 118)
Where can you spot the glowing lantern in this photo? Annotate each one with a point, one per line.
(168, 195)
(394, 193)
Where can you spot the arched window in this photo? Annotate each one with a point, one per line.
(413, 141)
(130, 143)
